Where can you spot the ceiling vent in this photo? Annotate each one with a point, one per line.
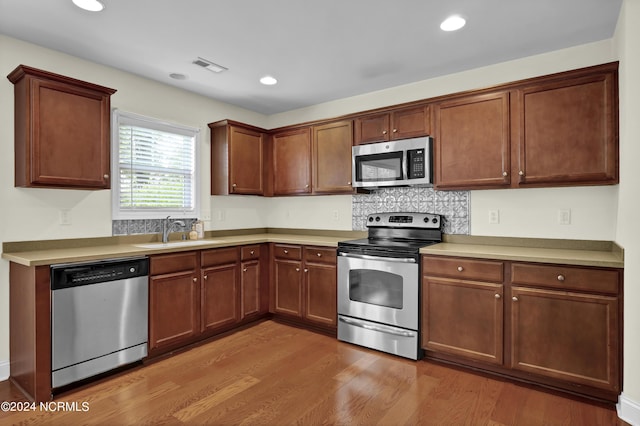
(209, 65)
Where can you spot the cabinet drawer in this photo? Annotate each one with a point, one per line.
(174, 262)
(320, 255)
(219, 256)
(462, 268)
(566, 277)
(250, 252)
(284, 251)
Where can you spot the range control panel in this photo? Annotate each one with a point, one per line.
(404, 220)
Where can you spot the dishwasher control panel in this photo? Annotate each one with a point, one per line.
(77, 274)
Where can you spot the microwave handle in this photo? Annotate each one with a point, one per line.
(405, 165)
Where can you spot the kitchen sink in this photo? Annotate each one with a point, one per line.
(175, 244)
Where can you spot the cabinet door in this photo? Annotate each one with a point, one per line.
(566, 336)
(372, 128)
(68, 137)
(320, 293)
(250, 289)
(173, 309)
(463, 318)
(569, 132)
(472, 144)
(292, 162)
(410, 122)
(219, 305)
(332, 157)
(287, 287)
(246, 159)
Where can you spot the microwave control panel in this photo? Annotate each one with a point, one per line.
(416, 166)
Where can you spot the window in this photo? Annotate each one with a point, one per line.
(154, 168)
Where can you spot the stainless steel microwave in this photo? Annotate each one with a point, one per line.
(405, 162)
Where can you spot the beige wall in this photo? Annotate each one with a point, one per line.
(628, 230)
(27, 214)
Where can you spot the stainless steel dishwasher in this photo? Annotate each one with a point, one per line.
(99, 317)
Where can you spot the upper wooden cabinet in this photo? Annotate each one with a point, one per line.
(401, 123)
(556, 130)
(292, 162)
(62, 131)
(237, 159)
(331, 144)
(473, 142)
(568, 130)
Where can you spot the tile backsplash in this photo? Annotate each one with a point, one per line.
(145, 226)
(452, 205)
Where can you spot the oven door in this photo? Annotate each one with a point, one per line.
(380, 289)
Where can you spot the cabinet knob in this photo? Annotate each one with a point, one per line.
(195, 279)
(505, 174)
(206, 277)
(560, 277)
(306, 186)
(349, 183)
(395, 130)
(106, 176)
(384, 132)
(514, 298)
(497, 296)
(460, 269)
(244, 270)
(306, 270)
(297, 269)
(521, 173)
(252, 252)
(319, 254)
(286, 251)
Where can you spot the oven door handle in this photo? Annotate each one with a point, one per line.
(380, 258)
(379, 328)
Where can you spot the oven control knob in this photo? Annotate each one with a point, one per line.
(377, 218)
(370, 218)
(426, 220)
(434, 220)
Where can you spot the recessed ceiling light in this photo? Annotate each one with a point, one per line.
(267, 80)
(90, 5)
(453, 23)
(178, 76)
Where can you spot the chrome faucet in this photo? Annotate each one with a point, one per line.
(167, 227)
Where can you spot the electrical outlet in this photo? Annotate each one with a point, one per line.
(206, 215)
(222, 216)
(65, 217)
(336, 215)
(494, 217)
(564, 217)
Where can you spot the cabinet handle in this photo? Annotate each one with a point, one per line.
(505, 174)
(460, 269)
(286, 252)
(497, 296)
(244, 270)
(106, 176)
(514, 298)
(560, 277)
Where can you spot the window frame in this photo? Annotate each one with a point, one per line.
(124, 117)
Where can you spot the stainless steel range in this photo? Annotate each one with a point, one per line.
(379, 282)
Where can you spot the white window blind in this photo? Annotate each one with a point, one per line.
(154, 168)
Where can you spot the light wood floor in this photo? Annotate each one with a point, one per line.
(275, 374)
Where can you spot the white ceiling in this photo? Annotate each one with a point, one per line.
(319, 50)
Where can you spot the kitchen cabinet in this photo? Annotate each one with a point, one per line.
(219, 288)
(62, 131)
(238, 159)
(304, 284)
(555, 325)
(566, 324)
(253, 279)
(292, 161)
(462, 308)
(400, 123)
(556, 130)
(473, 142)
(331, 145)
(174, 299)
(568, 129)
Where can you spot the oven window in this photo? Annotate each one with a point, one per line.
(379, 167)
(375, 288)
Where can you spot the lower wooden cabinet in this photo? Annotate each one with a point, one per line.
(304, 284)
(555, 325)
(195, 295)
